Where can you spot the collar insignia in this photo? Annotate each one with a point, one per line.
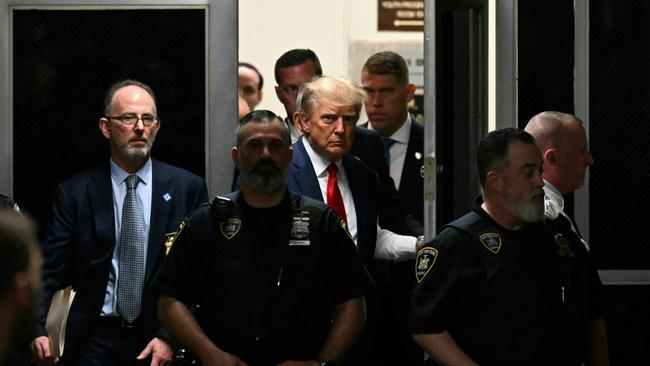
(230, 227)
(424, 262)
(563, 248)
(345, 228)
(491, 242)
(171, 237)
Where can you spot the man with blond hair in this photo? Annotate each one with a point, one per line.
(323, 169)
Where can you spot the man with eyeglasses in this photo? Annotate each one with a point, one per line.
(107, 239)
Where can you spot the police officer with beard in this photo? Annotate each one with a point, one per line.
(499, 286)
(274, 278)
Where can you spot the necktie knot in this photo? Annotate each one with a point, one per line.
(132, 181)
(334, 197)
(332, 169)
(388, 142)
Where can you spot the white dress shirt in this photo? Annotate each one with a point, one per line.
(320, 165)
(388, 246)
(398, 150)
(554, 207)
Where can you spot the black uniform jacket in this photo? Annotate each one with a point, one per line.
(507, 297)
(265, 280)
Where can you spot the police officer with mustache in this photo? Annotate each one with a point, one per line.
(274, 277)
(500, 286)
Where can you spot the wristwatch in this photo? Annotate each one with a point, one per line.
(323, 361)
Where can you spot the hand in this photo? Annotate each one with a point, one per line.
(217, 357)
(300, 363)
(42, 353)
(161, 353)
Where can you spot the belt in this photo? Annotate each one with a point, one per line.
(119, 321)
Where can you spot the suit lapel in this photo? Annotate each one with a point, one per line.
(303, 175)
(412, 165)
(162, 202)
(360, 202)
(100, 195)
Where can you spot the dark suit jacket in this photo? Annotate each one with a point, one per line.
(81, 239)
(395, 345)
(411, 189)
(363, 185)
(394, 214)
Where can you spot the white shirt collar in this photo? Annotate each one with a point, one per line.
(319, 163)
(119, 174)
(402, 134)
(553, 201)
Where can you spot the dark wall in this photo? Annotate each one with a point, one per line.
(65, 60)
(546, 57)
(619, 76)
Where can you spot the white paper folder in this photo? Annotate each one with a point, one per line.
(57, 318)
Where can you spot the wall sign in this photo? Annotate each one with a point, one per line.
(396, 15)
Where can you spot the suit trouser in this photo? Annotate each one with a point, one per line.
(111, 343)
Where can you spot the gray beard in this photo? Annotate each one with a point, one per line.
(528, 211)
(266, 182)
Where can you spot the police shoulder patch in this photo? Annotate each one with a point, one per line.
(230, 227)
(491, 242)
(424, 262)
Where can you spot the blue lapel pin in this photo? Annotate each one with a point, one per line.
(167, 197)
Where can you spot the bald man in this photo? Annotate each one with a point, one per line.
(562, 140)
(563, 143)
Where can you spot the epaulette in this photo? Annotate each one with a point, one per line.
(485, 236)
(221, 200)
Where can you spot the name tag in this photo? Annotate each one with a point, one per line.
(300, 229)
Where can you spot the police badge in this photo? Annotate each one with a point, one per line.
(300, 229)
(230, 227)
(424, 262)
(491, 242)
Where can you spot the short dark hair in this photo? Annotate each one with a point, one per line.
(295, 57)
(7, 202)
(108, 97)
(249, 66)
(17, 239)
(263, 116)
(492, 152)
(388, 63)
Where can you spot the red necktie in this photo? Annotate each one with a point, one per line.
(334, 198)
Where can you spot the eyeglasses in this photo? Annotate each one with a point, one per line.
(132, 119)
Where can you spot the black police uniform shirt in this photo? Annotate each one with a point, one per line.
(265, 280)
(507, 297)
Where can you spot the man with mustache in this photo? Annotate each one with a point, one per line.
(107, 238)
(499, 286)
(273, 277)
